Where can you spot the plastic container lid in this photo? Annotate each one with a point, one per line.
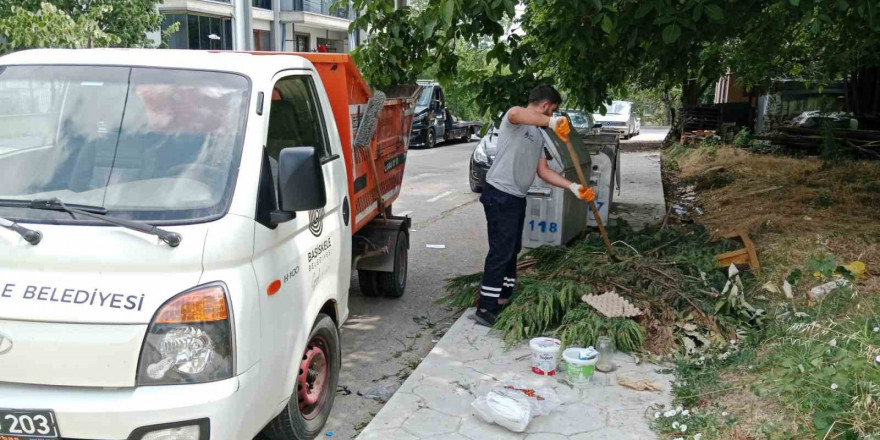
(545, 345)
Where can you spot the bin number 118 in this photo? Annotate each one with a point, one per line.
(543, 226)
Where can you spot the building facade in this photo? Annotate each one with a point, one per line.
(272, 25)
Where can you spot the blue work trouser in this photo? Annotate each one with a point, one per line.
(505, 215)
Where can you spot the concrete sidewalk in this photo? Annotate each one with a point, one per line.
(641, 200)
(434, 403)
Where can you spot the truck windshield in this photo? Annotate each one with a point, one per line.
(425, 97)
(158, 145)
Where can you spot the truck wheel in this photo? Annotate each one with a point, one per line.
(467, 135)
(309, 406)
(388, 284)
(431, 142)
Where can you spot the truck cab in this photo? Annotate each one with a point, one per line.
(177, 245)
(433, 121)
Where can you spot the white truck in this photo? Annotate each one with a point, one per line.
(177, 235)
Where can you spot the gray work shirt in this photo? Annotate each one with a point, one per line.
(516, 162)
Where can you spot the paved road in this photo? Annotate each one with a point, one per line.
(654, 133)
(385, 339)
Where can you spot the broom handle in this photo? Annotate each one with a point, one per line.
(583, 178)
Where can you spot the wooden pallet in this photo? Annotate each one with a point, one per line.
(742, 258)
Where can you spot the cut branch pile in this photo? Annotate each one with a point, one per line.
(672, 280)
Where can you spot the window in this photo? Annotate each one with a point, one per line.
(300, 43)
(262, 41)
(199, 32)
(295, 118)
(264, 4)
(144, 143)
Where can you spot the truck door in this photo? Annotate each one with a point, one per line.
(439, 114)
(298, 263)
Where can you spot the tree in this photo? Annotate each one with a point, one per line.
(79, 23)
(50, 27)
(591, 48)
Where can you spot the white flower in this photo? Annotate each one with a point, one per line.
(669, 413)
(657, 415)
(685, 413)
(724, 414)
(876, 329)
(698, 436)
(834, 386)
(678, 409)
(733, 342)
(674, 425)
(877, 359)
(684, 428)
(678, 438)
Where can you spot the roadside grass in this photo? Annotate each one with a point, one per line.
(812, 370)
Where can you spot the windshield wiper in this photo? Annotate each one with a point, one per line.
(29, 235)
(171, 238)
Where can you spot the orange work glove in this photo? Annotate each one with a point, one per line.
(584, 193)
(560, 126)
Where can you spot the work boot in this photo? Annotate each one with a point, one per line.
(486, 317)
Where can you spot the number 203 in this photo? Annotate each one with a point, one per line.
(25, 424)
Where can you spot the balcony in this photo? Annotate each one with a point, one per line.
(323, 7)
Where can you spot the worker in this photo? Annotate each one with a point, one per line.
(521, 155)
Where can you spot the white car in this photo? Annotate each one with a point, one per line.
(176, 243)
(619, 118)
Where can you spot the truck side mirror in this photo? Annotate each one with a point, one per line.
(300, 183)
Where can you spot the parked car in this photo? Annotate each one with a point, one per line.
(434, 123)
(484, 152)
(619, 118)
(481, 160)
(178, 235)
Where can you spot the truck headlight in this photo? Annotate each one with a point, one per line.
(480, 153)
(189, 340)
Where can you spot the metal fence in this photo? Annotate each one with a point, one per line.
(332, 8)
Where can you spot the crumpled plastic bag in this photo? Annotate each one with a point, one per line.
(513, 405)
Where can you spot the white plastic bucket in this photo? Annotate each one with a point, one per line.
(578, 371)
(545, 355)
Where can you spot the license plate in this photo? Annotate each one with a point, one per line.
(37, 424)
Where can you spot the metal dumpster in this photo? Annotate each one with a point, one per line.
(604, 172)
(554, 216)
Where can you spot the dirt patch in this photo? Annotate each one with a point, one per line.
(791, 207)
(753, 413)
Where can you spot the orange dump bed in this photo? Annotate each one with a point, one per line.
(349, 93)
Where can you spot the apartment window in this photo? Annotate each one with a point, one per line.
(324, 7)
(262, 41)
(332, 46)
(199, 32)
(300, 43)
(264, 4)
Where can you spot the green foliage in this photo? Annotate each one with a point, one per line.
(742, 138)
(51, 27)
(406, 42)
(592, 49)
(664, 279)
(582, 327)
(826, 369)
(824, 264)
(823, 200)
(78, 23)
